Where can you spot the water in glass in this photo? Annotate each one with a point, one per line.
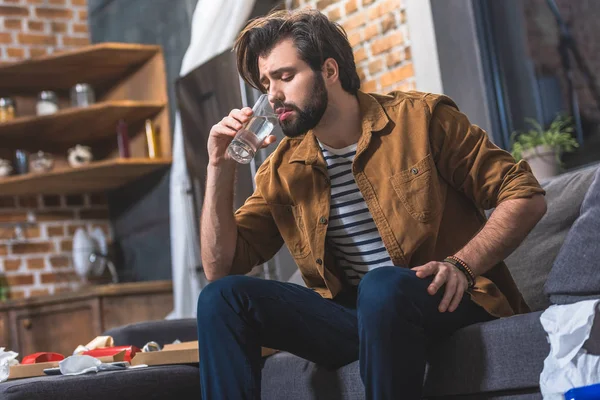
(247, 142)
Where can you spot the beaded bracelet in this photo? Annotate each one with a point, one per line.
(463, 267)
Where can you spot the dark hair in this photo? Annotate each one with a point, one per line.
(315, 36)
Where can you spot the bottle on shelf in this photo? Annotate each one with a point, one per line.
(123, 140)
(152, 139)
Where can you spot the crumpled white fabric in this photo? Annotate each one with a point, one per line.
(569, 365)
(77, 365)
(7, 359)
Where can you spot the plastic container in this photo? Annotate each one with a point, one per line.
(591, 392)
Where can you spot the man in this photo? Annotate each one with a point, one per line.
(371, 194)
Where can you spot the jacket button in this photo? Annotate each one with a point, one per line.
(319, 261)
(323, 220)
(414, 171)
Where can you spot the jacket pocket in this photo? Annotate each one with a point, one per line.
(419, 191)
(291, 227)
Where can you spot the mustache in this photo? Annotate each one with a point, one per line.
(291, 106)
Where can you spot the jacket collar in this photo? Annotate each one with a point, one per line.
(374, 119)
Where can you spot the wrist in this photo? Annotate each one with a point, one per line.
(462, 267)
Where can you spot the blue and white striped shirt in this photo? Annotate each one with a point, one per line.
(351, 234)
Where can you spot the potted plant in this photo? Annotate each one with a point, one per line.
(541, 148)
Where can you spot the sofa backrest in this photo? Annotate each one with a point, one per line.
(531, 262)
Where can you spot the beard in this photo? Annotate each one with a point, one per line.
(307, 118)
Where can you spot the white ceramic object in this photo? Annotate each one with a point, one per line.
(5, 168)
(41, 162)
(79, 156)
(89, 251)
(543, 162)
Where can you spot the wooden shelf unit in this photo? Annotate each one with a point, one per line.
(129, 81)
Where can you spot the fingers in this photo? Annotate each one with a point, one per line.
(426, 270)
(270, 139)
(460, 292)
(449, 293)
(242, 115)
(438, 281)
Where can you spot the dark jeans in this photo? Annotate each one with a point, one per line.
(386, 325)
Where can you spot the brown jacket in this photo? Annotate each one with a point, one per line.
(426, 174)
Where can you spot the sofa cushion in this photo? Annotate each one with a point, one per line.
(501, 355)
(575, 275)
(161, 332)
(531, 262)
(152, 383)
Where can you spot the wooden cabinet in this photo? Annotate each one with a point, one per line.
(60, 323)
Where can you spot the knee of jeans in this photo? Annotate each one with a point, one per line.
(387, 285)
(218, 294)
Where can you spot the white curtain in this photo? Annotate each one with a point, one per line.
(215, 25)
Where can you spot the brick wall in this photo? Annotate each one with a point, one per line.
(543, 38)
(36, 232)
(378, 33)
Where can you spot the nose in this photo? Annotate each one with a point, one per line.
(276, 97)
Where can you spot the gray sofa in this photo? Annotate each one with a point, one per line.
(501, 359)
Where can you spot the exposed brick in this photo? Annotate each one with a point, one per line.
(12, 1)
(36, 263)
(35, 25)
(397, 75)
(39, 292)
(13, 216)
(15, 294)
(38, 52)
(35, 2)
(57, 2)
(56, 277)
(351, 6)
(8, 201)
(5, 38)
(32, 232)
(355, 21)
(394, 58)
(369, 86)
(54, 215)
(66, 245)
(58, 27)
(407, 53)
(15, 52)
(12, 265)
(94, 214)
(354, 38)
(53, 13)
(59, 261)
(3, 250)
(32, 248)
(367, 2)
(80, 28)
(384, 7)
(14, 11)
(7, 233)
(375, 66)
(28, 201)
(30, 38)
(13, 24)
(55, 231)
(360, 55)
(371, 31)
(82, 16)
(79, 2)
(387, 42)
(322, 4)
(388, 23)
(75, 41)
(71, 229)
(19, 280)
(361, 74)
(334, 14)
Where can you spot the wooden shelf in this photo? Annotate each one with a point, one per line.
(97, 176)
(76, 125)
(99, 65)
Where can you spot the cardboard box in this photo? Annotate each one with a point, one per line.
(31, 370)
(180, 353)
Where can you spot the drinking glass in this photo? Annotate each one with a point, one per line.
(249, 139)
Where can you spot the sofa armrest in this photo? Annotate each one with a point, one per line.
(161, 332)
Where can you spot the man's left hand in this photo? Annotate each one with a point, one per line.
(445, 274)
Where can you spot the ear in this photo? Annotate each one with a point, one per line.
(330, 70)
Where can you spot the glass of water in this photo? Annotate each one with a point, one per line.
(249, 139)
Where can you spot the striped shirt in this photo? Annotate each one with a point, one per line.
(351, 234)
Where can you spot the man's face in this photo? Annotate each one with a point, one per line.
(297, 93)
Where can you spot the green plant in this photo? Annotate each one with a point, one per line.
(558, 136)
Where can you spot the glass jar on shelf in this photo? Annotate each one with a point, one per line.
(47, 103)
(82, 95)
(41, 162)
(7, 109)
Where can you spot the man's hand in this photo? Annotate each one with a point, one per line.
(445, 274)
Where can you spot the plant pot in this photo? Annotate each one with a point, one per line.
(543, 161)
